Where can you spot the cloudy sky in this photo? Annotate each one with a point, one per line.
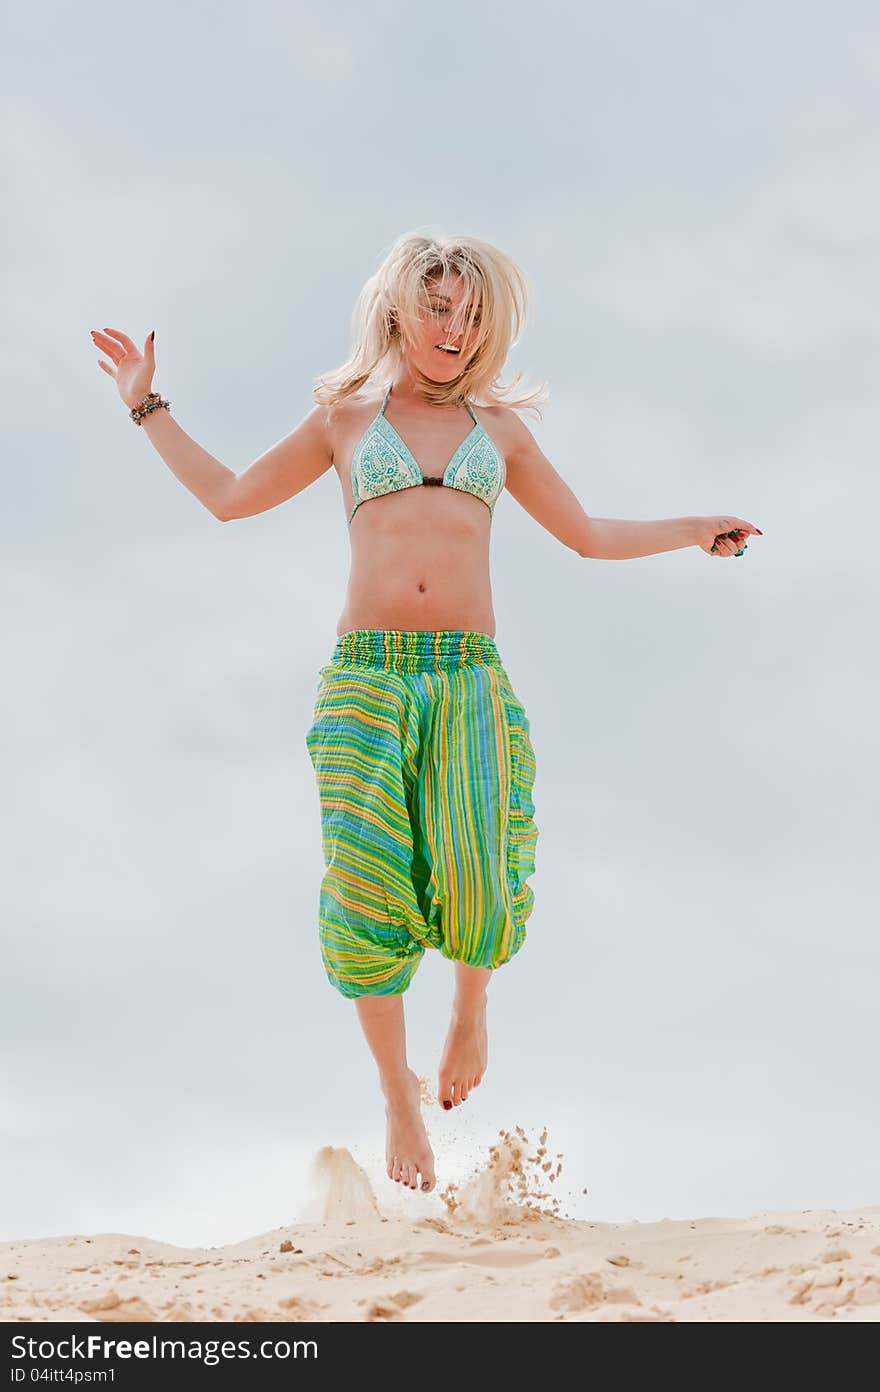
(691, 189)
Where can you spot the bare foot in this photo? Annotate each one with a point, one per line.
(465, 1053)
(408, 1152)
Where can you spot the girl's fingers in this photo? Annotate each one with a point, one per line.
(123, 339)
(108, 346)
(107, 368)
(734, 541)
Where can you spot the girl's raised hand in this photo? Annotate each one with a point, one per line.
(132, 371)
(724, 536)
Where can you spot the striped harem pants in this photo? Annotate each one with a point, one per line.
(425, 772)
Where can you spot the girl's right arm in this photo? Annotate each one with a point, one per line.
(284, 470)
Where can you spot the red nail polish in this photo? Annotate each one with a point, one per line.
(758, 530)
(447, 1105)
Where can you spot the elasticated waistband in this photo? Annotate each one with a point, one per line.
(416, 650)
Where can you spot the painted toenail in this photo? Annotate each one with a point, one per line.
(447, 1105)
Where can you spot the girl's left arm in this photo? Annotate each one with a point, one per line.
(545, 495)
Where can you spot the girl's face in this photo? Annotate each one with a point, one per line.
(439, 354)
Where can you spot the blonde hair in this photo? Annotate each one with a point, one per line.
(390, 303)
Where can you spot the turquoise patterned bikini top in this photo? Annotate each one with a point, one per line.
(382, 463)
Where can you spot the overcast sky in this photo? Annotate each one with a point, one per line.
(692, 191)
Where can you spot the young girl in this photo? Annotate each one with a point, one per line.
(420, 746)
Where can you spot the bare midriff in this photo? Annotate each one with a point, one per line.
(420, 559)
(419, 556)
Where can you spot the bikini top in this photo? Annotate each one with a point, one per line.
(382, 463)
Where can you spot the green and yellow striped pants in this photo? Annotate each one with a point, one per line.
(425, 773)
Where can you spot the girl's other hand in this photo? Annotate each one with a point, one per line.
(724, 536)
(132, 371)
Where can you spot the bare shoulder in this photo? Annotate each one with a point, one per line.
(509, 431)
(349, 416)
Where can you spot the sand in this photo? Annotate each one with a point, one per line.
(497, 1247)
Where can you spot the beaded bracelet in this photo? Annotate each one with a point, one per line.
(151, 402)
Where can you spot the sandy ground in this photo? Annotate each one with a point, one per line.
(498, 1248)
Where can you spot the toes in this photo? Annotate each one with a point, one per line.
(405, 1173)
(448, 1091)
(425, 1178)
(408, 1174)
(452, 1092)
